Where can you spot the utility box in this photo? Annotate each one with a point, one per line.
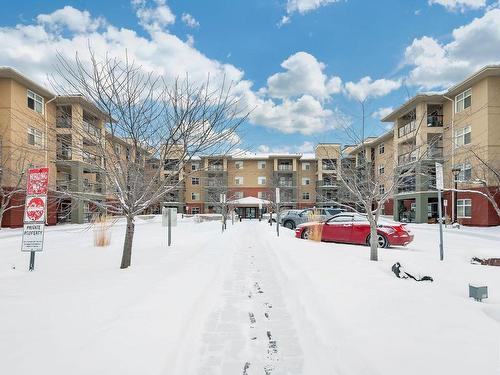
(478, 292)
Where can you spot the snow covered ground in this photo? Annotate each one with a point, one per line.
(246, 302)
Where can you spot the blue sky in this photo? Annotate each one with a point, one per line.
(305, 77)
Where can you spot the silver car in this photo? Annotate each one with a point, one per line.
(295, 217)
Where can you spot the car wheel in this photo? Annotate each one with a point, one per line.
(382, 241)
(305, 234)
(289, 224)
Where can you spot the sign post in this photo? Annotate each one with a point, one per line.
(169, 220)
(278, 199)
(440, 187)
(260, 211)
(35, 212)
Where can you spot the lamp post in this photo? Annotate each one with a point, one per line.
(456, 172)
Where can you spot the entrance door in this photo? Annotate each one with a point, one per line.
(251, 213)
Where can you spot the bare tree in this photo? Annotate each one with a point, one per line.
(154, 121)
(360, 183)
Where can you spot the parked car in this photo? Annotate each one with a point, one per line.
(355, 228)
(295, 217)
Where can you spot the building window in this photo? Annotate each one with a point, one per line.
(260, 195)
(465, 172)
(261, 164)
(464, 208)
(238, 194)
(381, 189)
(195, 196)
(261, 180)
(35, 137)
(306, 181)
(306, 166)
(195, 180)
(305, 196)
(195, 210)
(35, 102)
(238, 164)
(462, 136)
(381, 169)
(463, 100)
(195, 166)
(381, 149)
(238, 180)
(118, 149)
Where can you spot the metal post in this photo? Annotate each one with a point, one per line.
(455, 202)
(169, 227)
(278, 221)
(440, 212)
(32, 261)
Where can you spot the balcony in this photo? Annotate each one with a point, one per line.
(216, 168)
(435, 121)
(285, 183)
(92, 187)
(285, 167)
(63, 185)
(407, 128)
(64, 122)
(407, 158)
(91, 158)
(64, 153)
(91, 129)
(434, 152)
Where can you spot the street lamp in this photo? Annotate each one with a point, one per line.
(456, 172)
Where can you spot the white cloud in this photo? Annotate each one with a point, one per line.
(154, 18)
(382, 112)
(190, 21)
(304, 75)
(72, 19)
(32, 48)
(306, 147)
(436, 65)
(459, 5)
(366, 88)
(302, 7)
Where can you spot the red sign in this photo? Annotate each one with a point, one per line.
(37, 181)
(35, 209)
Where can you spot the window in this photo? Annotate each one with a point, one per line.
(413, 206)
(238, 180)
(35, 102)
(118, 149)
(238, 164)
(306, 166)
(35, 137)
(462, 136)
(195, 210)
(238, 194)
(464, 208)
(195, 180)
(261, 164)
(381, 149)
(260, 195)
(306, 181)
(381, 189)
(463, 100)
(195, 196)
(341, 219)
(195, 166)
(465, 172)
(305, 196)
(261, 180)
(381, 169)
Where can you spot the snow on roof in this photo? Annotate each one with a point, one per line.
(249, 200)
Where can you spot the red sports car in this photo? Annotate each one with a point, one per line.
(355, 228)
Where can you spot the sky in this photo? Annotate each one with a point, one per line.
(301, 66)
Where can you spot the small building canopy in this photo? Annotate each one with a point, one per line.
(249, 201)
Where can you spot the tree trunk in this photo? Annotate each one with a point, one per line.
(373, 241)
(127, 245)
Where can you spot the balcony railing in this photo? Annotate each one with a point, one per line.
(216, 167)
(434, 121)
(407, 128)
(285, 183)
(434, 152)
(64, 154)
(91, 129)
(63, 185)
(92, 187)
(284, 167)
(407, 158)
(63, 122)
(91, 158)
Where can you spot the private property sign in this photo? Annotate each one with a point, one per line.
(35, 211)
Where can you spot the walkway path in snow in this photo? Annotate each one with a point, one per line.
(251, 331)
